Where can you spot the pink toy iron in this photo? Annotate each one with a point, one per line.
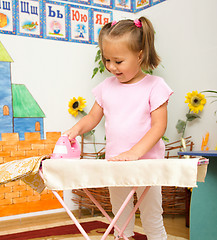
(65, 149)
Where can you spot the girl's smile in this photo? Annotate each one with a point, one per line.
(121, 61)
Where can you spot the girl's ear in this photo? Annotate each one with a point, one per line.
(140, 56)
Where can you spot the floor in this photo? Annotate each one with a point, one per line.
(175, 225)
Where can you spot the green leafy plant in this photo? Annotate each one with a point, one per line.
(100, 66)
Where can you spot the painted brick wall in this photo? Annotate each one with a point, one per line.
(17, 197)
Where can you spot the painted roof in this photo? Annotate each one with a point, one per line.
(24, 105)
(4, 55)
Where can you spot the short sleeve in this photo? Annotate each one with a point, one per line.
(160, 94)
(97, 92)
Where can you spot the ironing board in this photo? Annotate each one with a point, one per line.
(65, 174)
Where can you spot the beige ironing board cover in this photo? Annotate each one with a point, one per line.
(65, 174)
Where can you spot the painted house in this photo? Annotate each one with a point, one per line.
(19, 112)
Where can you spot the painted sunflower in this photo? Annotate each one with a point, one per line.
(75, 105)
(196, 101)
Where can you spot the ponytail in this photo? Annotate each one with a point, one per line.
(150, 57)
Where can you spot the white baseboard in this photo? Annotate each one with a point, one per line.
(33, 214)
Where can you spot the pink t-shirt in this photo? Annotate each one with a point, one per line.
(127, 109)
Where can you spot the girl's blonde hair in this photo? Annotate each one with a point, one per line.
(139, 38)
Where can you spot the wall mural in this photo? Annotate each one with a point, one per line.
(75, 21)
(19, 112)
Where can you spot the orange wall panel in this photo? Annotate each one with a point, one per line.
(16, 197)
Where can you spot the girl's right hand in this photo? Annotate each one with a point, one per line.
(71, 134)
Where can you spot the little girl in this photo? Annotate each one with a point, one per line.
(135, 108)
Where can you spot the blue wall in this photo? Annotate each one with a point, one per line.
(6, 122)
(22, 125)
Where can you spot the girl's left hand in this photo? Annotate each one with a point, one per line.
(125, 156)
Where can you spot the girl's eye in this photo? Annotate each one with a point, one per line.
(107, 60)
(118, 62)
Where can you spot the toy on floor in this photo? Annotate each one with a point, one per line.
(66, 149)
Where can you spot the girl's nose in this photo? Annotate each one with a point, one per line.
(111, 66)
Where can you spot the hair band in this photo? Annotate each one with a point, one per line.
(113, 23)
(138, 23)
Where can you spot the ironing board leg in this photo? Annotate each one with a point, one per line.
(112, 222)
(78, 225)
(133, 211)
(71, 215)
(102, 210)
(108, 230)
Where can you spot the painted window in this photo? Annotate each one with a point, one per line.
(5, 110)
(37, 126)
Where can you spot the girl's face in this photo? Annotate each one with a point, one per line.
(121, 61)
